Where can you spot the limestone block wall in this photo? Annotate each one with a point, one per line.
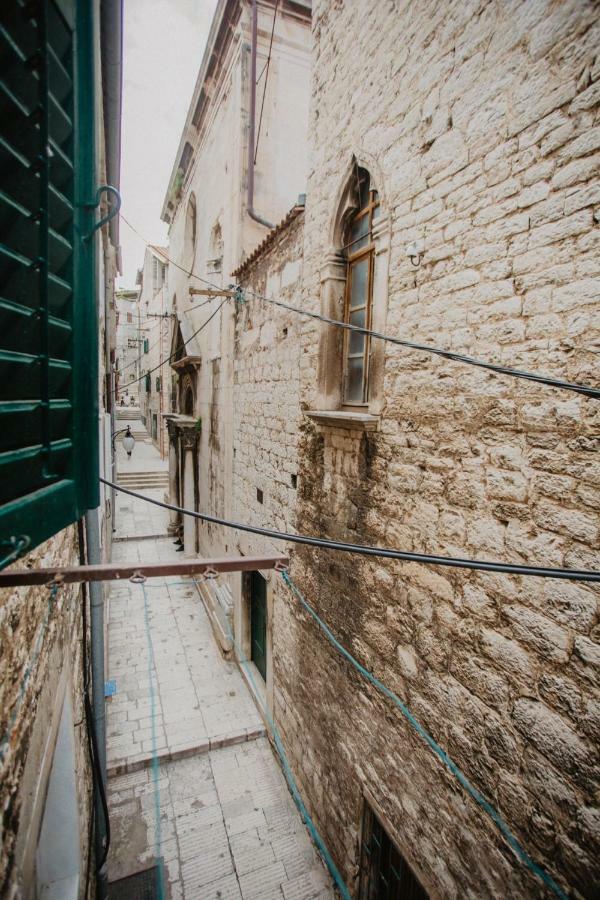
(266, 386)
(40, 665)
(266, 418)
(478, 123)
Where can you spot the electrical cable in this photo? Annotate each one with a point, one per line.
(267, 65)
(92, 737)
(371, 550)
(436, 351)
(429, 740)
(174, 354)
(400, 342)
(86, 682)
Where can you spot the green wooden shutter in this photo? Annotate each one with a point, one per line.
(48, 313)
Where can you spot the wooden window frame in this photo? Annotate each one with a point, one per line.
(367, 252)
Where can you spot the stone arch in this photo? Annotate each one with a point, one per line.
(344, 198)
(187, 395)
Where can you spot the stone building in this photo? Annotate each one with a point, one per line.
(127, 351)
(452, 200)
(240, 166)
(155, 317)
(58, 345)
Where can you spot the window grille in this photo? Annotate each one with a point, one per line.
(48, 344)
(384, 873)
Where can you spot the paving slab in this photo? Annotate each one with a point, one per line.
(229, 829)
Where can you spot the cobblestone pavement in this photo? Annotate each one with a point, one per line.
(228, 825)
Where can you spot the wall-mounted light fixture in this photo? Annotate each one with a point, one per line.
(415, 251)
(128, 439)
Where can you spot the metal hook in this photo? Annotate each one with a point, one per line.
(137, 578)
(209, 574)
(418, 258)
(280, 567)
(109, 189)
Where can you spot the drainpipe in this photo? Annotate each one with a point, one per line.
(94, 557)
(250, 198)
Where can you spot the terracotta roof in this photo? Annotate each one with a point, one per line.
(269, 239)
(161, 251)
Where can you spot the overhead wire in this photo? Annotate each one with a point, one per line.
(267, 67)
(174, 354)
(372, 550)
(510, 371)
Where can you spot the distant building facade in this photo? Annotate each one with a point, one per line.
(128, 352)
(155, 327)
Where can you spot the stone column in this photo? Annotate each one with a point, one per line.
(331, 340)
(189, 440)
(174, 517)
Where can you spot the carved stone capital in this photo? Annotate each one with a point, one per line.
(334, 268)
(188, 437)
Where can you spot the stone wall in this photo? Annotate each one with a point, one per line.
(478, 123)
(266, 385)
(40, 664)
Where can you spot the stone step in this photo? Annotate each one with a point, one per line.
(143, 483)
(143, 476)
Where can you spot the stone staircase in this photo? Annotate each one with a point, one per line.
(136, 481)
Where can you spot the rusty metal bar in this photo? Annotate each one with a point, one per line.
(140, 571)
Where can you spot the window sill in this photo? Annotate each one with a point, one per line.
(340, 418)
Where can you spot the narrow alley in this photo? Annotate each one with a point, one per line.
(185, 738)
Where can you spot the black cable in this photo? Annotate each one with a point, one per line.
(369, 550)
(86, 682)
(425, 348)
(436, 351)
(267, 64)
(92, 738)
(174, 354)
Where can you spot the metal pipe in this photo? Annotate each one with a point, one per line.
(252, 116)
(94, 558)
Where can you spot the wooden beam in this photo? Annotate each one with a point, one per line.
(138, 571)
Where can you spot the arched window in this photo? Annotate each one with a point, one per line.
(359, 251)
(188, 401)
(354, 288)
(190, 232)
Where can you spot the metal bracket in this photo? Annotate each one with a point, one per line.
(280, 567)
(210, 573)
(113, 211)
(137, 578)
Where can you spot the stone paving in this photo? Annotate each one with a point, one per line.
(229, 827)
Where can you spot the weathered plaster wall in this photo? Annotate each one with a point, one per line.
(41, 657)
(478, 122)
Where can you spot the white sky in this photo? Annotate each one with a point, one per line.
(164, 42)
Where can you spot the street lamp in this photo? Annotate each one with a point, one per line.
(128, 441)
